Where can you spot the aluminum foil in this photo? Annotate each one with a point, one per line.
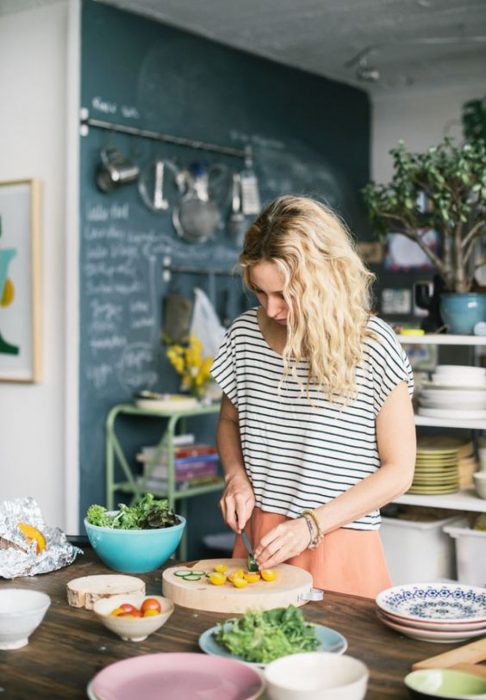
(17, 557)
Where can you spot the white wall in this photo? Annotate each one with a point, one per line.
(421, 119)
(33, 79)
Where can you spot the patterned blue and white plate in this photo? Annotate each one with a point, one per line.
(435, 602)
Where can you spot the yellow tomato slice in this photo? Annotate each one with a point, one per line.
(251, 576)
(237, 573)
(217, 578)
(220, 569)
(239, 582)
(268, 574)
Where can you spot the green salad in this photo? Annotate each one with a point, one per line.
(147, 513)
(261, 637)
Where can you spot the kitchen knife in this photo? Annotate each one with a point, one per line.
(251, 561)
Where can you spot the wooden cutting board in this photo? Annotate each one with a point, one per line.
(465, 658)
(289, 588)
(85, 591)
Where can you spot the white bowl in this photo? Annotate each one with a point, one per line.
(21, 611)
(316, 675)
(480, 483)
(461, 369)
(461, 381)
(132, 629)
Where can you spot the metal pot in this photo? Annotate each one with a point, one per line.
(196, 217)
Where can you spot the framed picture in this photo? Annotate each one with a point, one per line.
(20, 290)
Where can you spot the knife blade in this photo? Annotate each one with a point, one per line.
(251, 561)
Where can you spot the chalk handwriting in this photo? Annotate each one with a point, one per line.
(99, 375)
(137, 366)
(104, 106)
(130, 112)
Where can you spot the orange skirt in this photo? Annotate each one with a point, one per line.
(346, 561)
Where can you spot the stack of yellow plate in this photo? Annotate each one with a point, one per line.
(436, 466)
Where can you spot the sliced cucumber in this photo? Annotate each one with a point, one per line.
(189, 572)
(192, 577)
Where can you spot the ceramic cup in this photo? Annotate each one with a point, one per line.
(480, 483)
(482, 453)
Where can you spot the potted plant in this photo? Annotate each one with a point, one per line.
(474, 120)
(442, 189)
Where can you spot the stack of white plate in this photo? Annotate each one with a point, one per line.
(434, 612)
(457, 391)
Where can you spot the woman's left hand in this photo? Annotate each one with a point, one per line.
(284, 541)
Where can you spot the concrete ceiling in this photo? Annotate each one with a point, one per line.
(379, 45)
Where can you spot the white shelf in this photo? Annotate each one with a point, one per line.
(441, 339)
(452, 422)
(465, 499)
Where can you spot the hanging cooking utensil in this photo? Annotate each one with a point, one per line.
(220, 181)
(177, 314)
(114, 170)
(250, 196)
(156, 188)
(236, 218)
(196, 217)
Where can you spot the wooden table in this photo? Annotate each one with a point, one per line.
(70, 645)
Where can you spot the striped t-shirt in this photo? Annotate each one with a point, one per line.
(298, 453)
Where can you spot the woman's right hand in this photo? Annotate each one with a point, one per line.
(237, 502)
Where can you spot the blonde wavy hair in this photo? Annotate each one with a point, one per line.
(326, 288)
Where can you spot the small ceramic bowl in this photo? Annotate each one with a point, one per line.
(316, 675)
(21, 611)
(135, 551)
(132, 629)
(446, 683)
(480, 483)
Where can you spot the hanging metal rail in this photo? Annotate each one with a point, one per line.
(86, 121)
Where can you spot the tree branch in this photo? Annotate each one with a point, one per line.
(472, 233)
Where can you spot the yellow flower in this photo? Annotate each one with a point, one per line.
(189, 362)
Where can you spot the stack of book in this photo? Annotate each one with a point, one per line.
(193, 464)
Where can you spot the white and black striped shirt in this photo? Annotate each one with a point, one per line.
(302, 453)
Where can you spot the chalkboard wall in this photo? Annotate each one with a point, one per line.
(309, 135)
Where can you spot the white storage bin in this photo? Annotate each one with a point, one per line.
(418, 551)
(470, 552)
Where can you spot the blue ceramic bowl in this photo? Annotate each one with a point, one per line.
(135, 551)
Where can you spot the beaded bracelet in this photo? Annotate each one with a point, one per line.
(314, 539)
(309, 527)
(320, 535)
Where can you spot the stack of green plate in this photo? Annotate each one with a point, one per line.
(436, 466)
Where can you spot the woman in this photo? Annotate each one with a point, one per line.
(316, 430)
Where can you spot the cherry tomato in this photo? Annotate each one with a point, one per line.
(127, 607)
(117, 612)
(150, 604)
(132, 613)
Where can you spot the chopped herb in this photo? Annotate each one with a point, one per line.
(261, 637)
(146, 514)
